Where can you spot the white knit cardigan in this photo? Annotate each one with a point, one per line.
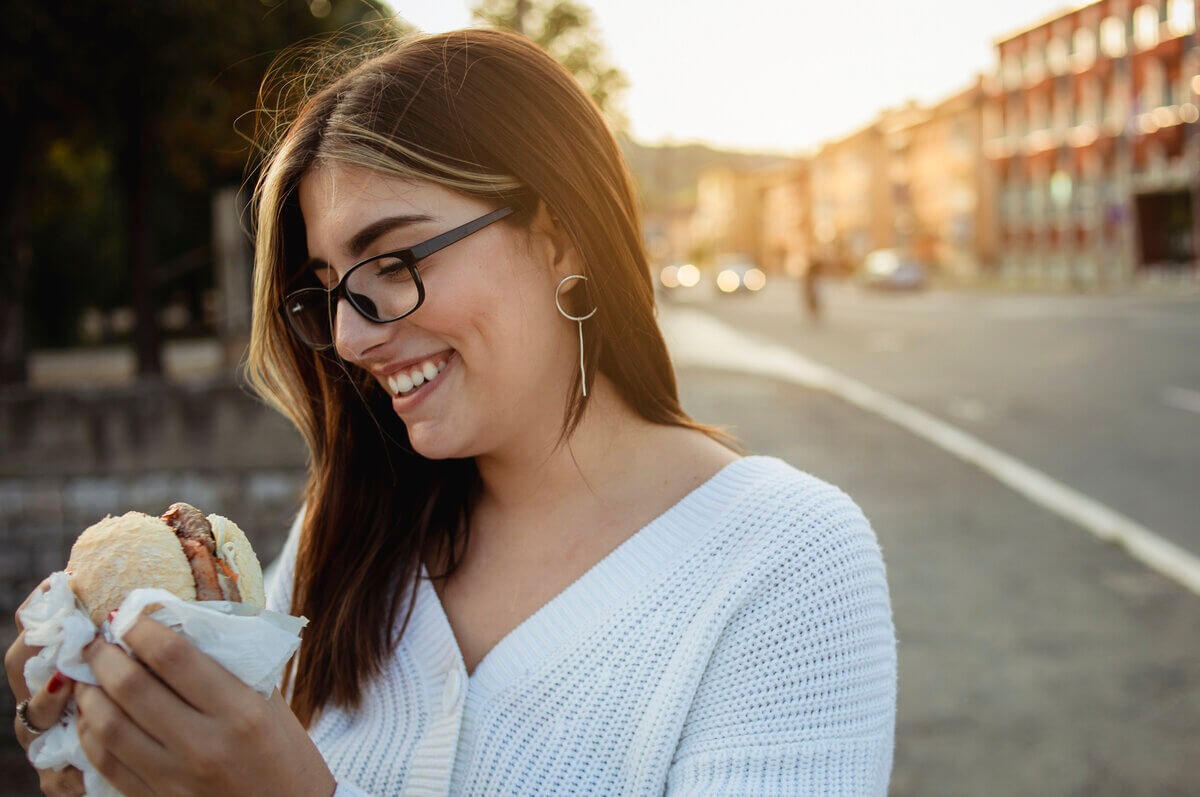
(740, 643)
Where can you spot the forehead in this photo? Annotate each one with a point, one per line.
(338, 200)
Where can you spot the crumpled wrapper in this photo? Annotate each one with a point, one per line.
(253, 644)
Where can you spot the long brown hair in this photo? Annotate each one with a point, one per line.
(491, 115)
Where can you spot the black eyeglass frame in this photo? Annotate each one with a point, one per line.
(409, 257)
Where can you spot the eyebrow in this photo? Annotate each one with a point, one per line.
(367, 235)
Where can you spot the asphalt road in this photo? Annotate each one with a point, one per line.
(1099, 392)
(1034, 658)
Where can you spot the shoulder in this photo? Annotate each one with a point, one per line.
(786, 505)
(807, 640)
(799, 536)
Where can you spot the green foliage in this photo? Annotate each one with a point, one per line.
(566, 30)
(86, 79)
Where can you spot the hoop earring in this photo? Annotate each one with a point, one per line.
(579, 319)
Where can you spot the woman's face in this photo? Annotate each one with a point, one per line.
(488, 333)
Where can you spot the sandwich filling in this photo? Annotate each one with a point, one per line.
(215, 579)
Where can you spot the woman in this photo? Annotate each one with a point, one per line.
(527, 570)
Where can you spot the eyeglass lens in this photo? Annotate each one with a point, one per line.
(381, 290)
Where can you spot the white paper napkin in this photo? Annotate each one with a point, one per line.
(253, 644)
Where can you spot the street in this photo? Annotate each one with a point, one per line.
(1034, 657)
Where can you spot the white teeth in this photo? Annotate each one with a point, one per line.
(403, 382)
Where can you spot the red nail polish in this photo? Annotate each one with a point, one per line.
(110, 615)
(56, 682)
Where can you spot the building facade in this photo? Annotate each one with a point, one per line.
(852, 197)
(1092, 129)
(787, 221)
(946, 203)
(728, 218)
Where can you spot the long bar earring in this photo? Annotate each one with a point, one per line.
(579, 319)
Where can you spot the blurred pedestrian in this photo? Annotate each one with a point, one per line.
(811, 284)
(526, 569)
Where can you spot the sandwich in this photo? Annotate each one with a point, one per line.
(195, 558)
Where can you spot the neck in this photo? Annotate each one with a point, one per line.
(535, 477)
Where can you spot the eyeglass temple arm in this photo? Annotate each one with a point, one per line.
(457, 234)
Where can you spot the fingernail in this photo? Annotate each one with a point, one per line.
(111, 615)
(56, 682)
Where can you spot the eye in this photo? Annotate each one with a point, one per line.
(392, 269)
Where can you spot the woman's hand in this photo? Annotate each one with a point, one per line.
(173, 721)
(44, 708)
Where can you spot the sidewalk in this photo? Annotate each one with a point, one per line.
(104, 366)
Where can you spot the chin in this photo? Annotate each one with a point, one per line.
(426, 440)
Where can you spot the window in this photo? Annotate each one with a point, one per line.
(1012, 71)
(1058, 57)
(1181, 17)
(1012, 121)
(1153, 85)
(1145, 27)
(1034, 68)
(1083, 46)
(1112, 37)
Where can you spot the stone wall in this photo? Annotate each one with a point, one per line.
(67, 459)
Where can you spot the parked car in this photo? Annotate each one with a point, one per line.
(739, 274)
(891, 269)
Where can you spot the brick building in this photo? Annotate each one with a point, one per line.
(1092, 127)
(851, 196)
(787, 222)
(944, 186)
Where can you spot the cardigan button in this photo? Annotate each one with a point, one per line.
(451, 691)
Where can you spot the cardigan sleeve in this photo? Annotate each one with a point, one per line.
(799, 696)
(277, 579)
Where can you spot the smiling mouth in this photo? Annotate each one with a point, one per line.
(411, 379)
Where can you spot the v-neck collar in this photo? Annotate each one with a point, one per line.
(632, 564)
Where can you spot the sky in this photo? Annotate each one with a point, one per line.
(781, 76)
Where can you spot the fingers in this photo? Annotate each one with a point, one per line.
(64, 783)
(114, 744)
(45, 707)
(14, 665)
(45, 585)
(146, 700)
(197, 678)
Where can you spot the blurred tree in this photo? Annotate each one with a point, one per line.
(567, 30)
(142, 95)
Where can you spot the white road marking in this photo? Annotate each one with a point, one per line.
(697, 339)
(1181, 398)
(967, 408)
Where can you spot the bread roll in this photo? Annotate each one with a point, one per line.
(120, 554)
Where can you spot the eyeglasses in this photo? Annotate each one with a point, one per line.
(382, 288)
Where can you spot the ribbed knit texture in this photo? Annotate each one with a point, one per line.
(740, 643)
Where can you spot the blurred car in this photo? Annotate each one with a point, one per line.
(891, 269)
(677, 280)
(739, 274)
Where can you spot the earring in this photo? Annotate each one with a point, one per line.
(579, 319)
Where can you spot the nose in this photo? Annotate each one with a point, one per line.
(354, 335)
